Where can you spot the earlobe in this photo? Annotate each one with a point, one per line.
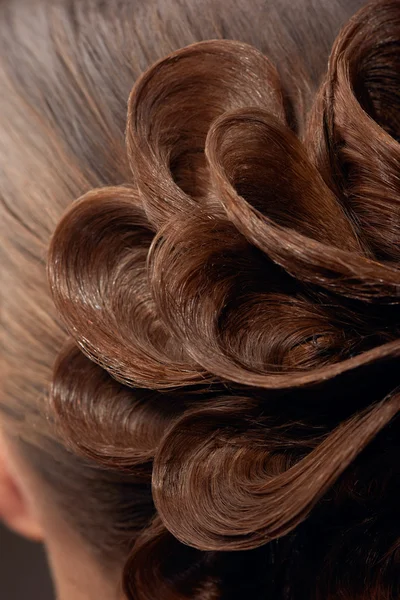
(15, 511)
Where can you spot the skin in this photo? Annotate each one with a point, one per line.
(27, 510)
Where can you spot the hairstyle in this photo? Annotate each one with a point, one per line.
(224, 396)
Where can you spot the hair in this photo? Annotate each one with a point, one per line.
(222, 298)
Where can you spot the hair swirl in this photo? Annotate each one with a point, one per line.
(251, 280)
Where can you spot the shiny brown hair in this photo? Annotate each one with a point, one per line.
(224, 396)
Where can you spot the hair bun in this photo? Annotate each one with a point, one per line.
(244, 257)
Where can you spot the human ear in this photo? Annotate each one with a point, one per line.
(16, 511)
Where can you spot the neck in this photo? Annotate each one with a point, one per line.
(77, 575)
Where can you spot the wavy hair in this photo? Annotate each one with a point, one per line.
(232, 310)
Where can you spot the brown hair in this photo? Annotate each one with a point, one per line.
(230, 289)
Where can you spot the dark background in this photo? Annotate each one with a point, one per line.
(23, 569)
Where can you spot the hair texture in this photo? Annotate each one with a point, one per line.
(229, 288)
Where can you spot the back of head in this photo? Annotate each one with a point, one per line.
(223, 300)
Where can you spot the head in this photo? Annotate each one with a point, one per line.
(200, 309)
